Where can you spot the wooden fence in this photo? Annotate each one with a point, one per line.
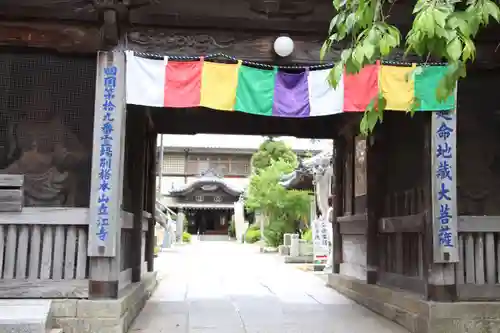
(127, 248)
(43, 252)
(401, 241)
(478, 272)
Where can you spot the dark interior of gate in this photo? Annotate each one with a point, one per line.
(382, 184)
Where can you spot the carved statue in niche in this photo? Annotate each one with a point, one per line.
(49, 155)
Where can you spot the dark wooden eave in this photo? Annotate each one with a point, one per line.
(246, 45)
(242, 28)
(298, 180)
(200, 120)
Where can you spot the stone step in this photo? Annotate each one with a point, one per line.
(55, 330)
(213, 238)
(32, 316)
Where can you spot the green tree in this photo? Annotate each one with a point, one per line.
(283, 208)
(441, 29)
(270, 151)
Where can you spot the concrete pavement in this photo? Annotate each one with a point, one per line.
(224, 287)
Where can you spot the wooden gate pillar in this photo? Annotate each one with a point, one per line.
(151, 199)
(375, 177)
(107, 175)
(138, 187)
(338, 200)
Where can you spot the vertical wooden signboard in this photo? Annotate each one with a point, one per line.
(107, 155)
(444, 186)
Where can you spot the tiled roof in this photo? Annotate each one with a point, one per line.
(252, 142)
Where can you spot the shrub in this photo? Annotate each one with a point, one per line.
(307, 236)
(156, 251)
(275, 231)
(186, 237)
(231, 230)
(252, 236)
(254, 226)
(273, 235)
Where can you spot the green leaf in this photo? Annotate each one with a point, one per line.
(373, 36)
(345, 55)
(333, 22)
(469, 51)
(350, 21)
(454, 49)
(384, 46)
(440, 18)
(492, 9)
(336, 74)
(419, 6)
(415, 105)
(324, 49)
(369, 50)
(464, 27)
(351, 67)
(358, 56)
(424, 22)
(395, 34)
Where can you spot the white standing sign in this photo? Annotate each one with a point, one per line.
(320, 239)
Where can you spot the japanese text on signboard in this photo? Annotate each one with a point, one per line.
(106, 151)
(444, 176)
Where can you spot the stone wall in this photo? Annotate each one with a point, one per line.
(418, 315)
(354, 256)
(103, 316)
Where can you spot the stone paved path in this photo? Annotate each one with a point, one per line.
(224, 287)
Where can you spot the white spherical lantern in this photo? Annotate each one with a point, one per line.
(283, 46)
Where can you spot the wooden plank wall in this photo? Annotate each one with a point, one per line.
(478, 271)
(401, 240)
(43, 252)
(11, 193)
(127, 248)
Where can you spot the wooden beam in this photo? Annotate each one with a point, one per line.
(338, 190)
(349, 175)
(357, 228)
(376, 150)
(237, 15)
(350, 219)
(62, 37)
(180, 121)
(47, 216)
(474, 292)
(128, 220)
(137, 179)
(75, 10)
(410, 223)
(151, 201)
(44, 288)
(9, 181)
(243, 45)
(479, 223)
